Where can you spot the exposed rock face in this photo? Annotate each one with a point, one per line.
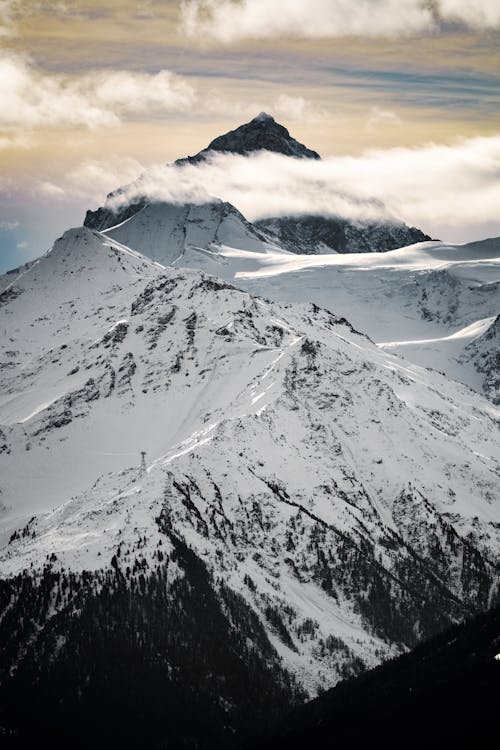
(262, 133)
(105, 217)
(321, 234)
(484, 354)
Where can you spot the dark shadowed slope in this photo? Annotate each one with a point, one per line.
(445, 693)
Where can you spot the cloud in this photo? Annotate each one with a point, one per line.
(288, 107)
(430, 186)
(7, 26)
(32, 98)
(8, 226)
(479, 14)
(379, 117)
(230, 20)
(15, 140)
(49, 190)
(296, 108)
(88, 182)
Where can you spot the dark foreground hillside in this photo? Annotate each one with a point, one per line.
(124, 666)
(445, 693)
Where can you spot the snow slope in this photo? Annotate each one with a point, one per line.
(165, 231)
(349, 497)
(427, 303)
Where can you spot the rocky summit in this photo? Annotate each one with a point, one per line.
(262, 133)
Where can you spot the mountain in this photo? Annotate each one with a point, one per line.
(296, 234)
(442, 694)
(262, 133)
(309, 506)
(307, 234)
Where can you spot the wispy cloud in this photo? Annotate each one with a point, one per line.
(289, 107)
(7, 25)
(451, 192)
(91, 178)
(380, 116)
(15, 140)
(478, 14)
(296, 108)
(228, 20)
(430, 186)
(32, 98)
(8, 226)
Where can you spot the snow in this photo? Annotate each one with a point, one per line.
(275, 408)
(320, 458)
(415, 300)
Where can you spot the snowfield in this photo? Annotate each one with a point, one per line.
(427, 302)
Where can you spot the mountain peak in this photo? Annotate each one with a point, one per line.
(262, 133)
(262, 117)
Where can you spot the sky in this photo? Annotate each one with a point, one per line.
(400, 97)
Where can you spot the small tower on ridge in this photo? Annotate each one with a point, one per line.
(143, 463)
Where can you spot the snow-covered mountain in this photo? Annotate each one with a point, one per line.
(428, 302)
(437, 299)
(297, 234)
(337, 503)
(222, 488)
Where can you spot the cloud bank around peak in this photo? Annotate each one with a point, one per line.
(431, 187)
(231, 20)
(449, 191)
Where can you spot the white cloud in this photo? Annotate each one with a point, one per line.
(89, 181)
(480, 14)
(430, 186)
(379, 117)
(8, 226)
(289, 107)
(93, 177)
(49, 190)
(15, 140)
(7, 26)
(31, 98)
(296, 108)
(229, 20)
